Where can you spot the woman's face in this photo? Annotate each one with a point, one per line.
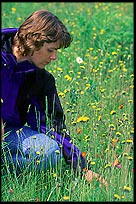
(44, 56)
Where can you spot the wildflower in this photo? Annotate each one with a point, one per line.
(107, 166)
(112, 127)
(60, 145)
(130, 101)
(99, 118)
(79, 130)
(120, 106)
(116, 162)
(114, 53)
(34, 137)
(61, 94)
(82, 119)
(116, 196)
(1, 100)
(52, 136)
(37, 161)
(82, 67)
(79, 60)
(127, 141)
(66, 198)
(83, 154)
(102, 31)
(17, 131)
(127, 189)
(19, 19)
(92, 163)
(13, 10)
(11, 191)
(38, 152)
(57, 151)
(68, 77)
(114, 141)
(113, 112)
(73, 122)
(118, 133)
(54, 175)
(130, 158)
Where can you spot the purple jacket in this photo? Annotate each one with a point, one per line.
(27, 91)
(28, 94)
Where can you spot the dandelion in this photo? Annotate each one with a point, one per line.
(38, 152)
(113, 112)
(68, 77)
(13, 10)
(92, 163)
(19, 19)
(57, 151)
(79, 60)
(54, 175)
(127, 188)
(66, 197)
(114, 53)
(130, 158)
(127, 141)
(116, 196)
(37, 161)
(82, 119)
(34, 137)
(52, 136)
(61, 94)
(112, 127)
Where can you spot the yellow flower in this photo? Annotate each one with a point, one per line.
(113, 112)
(92, 163)
(57, 151)
(127, 188)
(54, 175)
(116, 196)
(38, 152)
(68, 77)
(82, 119)
(114, 53)
(66, 197)
(13, 10)
(34, 137)
(107, 165)
(118, 133)
(61, 94)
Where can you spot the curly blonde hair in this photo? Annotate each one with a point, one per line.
(40, 27)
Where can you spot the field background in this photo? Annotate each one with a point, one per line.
(97, 97)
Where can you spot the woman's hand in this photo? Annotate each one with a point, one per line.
(89, 175)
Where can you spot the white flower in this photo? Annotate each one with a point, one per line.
(79, 60)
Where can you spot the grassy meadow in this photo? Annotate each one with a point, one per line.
(95, 82)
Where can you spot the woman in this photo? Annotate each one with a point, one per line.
(31, 110)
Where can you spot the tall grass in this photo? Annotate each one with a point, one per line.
(97, 97)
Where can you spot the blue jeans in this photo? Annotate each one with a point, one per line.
(29, 148)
